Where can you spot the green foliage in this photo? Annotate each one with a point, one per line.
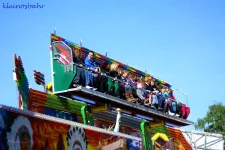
(214, 121)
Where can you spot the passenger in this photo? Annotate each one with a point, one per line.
(91, 63)
(162, 97)
(152, 89)
(102, 79)
(128, 89)
(166, 93)
(171, 94)
(141, 83)
(167, 101)
(141, 93)
(132, 80)
(79, 78)
(114, 88)
(172, 103)
(114, 71)
(117, 74)
(92, 75)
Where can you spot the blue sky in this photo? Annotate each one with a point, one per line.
(181, 42)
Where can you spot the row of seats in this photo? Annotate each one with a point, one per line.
(110, 79)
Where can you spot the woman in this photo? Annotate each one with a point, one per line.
(152, 92)
(141, 93)
(113, 85)
(128, 89)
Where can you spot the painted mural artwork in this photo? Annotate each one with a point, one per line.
(19, 132)
(20, 136)
(128, 144)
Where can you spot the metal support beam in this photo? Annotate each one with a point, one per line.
(211, 143)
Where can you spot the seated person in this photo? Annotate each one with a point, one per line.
(114, 71)
(162, 96)
(141, 93)
(115, 89)
(103, 79)
(91, 76)
(166, 93)
(152, 89)
(141, 83)
(132, 80)
(79, 78)
(170, 91)
(171, 102)
(164, 99)
(128, 89)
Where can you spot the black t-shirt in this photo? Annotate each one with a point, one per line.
(77, 60)
(150, 87)
(114, 74)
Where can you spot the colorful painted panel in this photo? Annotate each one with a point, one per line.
(54, 101)
(177, 140)
(21, 82)
(25, 132)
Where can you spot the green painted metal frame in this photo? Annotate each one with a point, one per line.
(84, 114)
(146, 136)
(62, 78)
(87, 118)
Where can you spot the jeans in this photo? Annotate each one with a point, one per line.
(141, 93)
(95, 80)
(154, 99)
(88, 78)
(79, 77)
(128, 88)
(161, 100)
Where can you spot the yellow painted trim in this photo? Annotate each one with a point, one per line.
(160, 136)
(49, 87)
(99, 108)
(157, 124)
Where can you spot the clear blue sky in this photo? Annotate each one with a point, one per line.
(182, 42)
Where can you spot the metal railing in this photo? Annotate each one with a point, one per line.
(183, 94)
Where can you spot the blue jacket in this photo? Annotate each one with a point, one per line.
(90, 63)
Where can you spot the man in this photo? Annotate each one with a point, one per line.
(79, 78)
(90, 62)
(91, 77)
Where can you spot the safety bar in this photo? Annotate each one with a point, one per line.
(86, 68)
(78, 65)
(183, 94)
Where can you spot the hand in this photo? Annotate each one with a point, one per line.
(96, 70)
(155, 91)
(81, 65)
